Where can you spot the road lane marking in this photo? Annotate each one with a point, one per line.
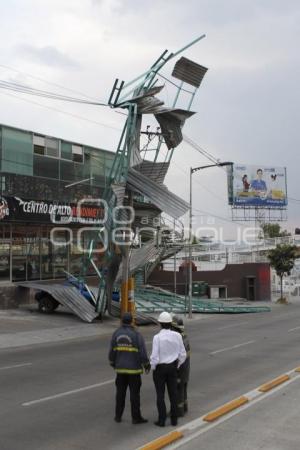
(65, 394)
(293, 329)
(231, 326)
(15, 366)
(231, 348)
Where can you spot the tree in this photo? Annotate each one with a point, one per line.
(273, 230)
(282, 259)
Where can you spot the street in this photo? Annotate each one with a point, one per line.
(60, 395)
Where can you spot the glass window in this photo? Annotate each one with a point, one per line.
(39, 140)
(67, 171)
(66, 150)
(45, 167)
(60, 255)
(39, 150)
(0, 147)
(52, 147)
(39, 144)
(77, 152)
(17, 153)
(19, 251)
(4, 252)
(33, 253)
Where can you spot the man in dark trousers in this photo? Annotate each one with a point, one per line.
(128, 356)
(183, 372)
(168, 354)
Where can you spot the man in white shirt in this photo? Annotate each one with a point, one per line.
(168, 353)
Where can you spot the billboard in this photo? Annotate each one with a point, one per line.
(259, 186)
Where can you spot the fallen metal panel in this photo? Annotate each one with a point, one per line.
(171, 123)
(159, 195)
(189, 72)
(139, 257)
(67, 296)
(135, 155)
(150, 300)
(119, 191)
(154, 171)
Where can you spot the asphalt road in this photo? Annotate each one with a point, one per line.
(61, 395)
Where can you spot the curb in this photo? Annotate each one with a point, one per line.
(221, 411)
(228, 407)
(163, 441)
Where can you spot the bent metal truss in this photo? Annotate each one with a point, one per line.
(137, 175)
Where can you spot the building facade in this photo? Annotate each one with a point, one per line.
(49, 191)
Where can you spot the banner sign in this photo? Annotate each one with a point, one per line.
(260, 186)
(21, 210)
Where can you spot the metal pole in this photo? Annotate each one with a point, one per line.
(175, 281)
(190, 248)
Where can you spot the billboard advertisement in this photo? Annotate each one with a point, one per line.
(259, 186)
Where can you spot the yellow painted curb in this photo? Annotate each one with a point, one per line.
(163, 441)
(298, 369)
(268, 386)
(210, 417)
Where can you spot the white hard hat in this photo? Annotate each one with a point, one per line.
(165, 317)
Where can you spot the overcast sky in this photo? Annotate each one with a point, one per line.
(247, 106)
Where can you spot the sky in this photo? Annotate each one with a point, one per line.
(247, 107)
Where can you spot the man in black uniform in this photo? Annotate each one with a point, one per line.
(183, 372)
(128, 356)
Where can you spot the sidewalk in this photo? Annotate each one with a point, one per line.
(25, 326)
(270, 424)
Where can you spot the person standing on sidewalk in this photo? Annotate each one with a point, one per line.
(183, 372)
(128, 356)
(168, 354)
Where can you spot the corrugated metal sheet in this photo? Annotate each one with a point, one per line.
(171, 123)
(155, 171)
(119, 191)
(189, 72)
(171, 120)
(139, 257)
(144, 94)
(135, 155)
(159, 195)
(67, 296)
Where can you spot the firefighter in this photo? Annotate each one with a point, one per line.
(168, 353)
(128, 356)
(183, 372)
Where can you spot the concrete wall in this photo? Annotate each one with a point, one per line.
(234, 276)
(12, 296)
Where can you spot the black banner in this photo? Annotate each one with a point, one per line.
(15, 209)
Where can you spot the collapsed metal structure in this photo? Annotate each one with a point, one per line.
(136, 180)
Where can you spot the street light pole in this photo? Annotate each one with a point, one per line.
(192, 170)
(190, 247)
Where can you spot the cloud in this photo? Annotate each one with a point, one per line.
(47, 55)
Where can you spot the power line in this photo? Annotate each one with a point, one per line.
(46, 81)
(62, 112)
(16, 87)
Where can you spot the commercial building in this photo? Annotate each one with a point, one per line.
(48, 187)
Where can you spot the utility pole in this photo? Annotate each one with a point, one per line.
(192, 170)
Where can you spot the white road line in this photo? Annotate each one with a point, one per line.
(231, 348)
(230, 326)
(64, 394)
(15, 366)
(293, 329)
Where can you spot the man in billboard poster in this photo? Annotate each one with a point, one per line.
(258, 184)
